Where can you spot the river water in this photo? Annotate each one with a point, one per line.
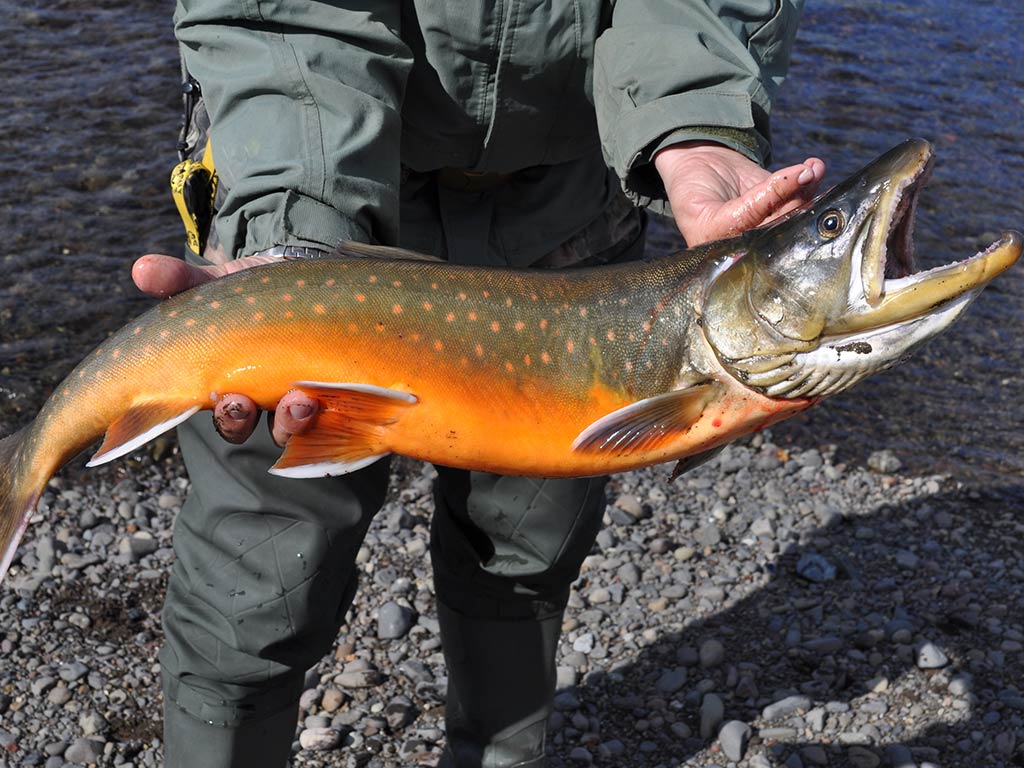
(89, 112)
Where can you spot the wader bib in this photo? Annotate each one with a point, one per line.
(245, 617)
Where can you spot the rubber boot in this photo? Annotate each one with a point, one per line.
(193, 743)
(501, 683)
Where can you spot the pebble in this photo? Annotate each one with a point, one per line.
(930, 656)
(712, 710)
(671, 680)
(84, 751)
(733, 738)
(785, 707)
(816, 568)
(884, 461)
(394, 621)
(332, 699)
(319, 739)
(712, 653)
(76, 670)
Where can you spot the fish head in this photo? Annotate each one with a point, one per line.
(828, 295)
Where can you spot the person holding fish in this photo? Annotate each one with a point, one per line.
(527, 135)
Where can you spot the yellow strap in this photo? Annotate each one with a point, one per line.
(199, 173)
(208, 158)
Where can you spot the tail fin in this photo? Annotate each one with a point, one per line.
(18, 496)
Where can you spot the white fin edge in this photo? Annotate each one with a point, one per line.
(369, 389)
(614, 417)
(140, 440)
(326, 468)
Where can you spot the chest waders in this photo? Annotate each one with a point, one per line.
(265, 567)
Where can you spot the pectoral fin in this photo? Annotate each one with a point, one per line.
(646, 425)
(349, 433)
(138, 426)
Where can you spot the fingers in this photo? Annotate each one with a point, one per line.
(296, 412)
(767, 199)
(161, 276)
(235, 417)
(781, 192)
(793, 186)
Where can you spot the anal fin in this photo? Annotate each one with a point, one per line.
(137, 426)
(648, 424)
(350, 430)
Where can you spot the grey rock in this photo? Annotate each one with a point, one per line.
(712, 710)
(785, 707)
(584, 643)
(363, 678)
(92, 723)
(709, 535)
(899, 756)
(84, 751)
(332, 699)
(671, 680)
(42, 685)
(815, 719)
(884, 461)
(565, 676)
(394, 621)
(861, 757)
(319, 739)
(734, 738)
(813, 754)
(930, 656)
(581, 756)
(816, 568)
(76, 670)
(712, 653)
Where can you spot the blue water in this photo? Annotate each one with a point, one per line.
(88, 124)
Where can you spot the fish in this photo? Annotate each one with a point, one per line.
(566, 373)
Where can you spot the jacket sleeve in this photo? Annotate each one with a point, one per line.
(304, 101)
(676, 70)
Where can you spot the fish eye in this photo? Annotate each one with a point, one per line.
(831, 223)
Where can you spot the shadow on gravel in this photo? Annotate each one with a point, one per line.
(850, 646)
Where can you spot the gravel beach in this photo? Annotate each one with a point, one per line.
(771, 608)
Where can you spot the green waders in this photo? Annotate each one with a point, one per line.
(265, 572)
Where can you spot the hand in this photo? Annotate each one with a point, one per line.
(715, 192)
(235, 415)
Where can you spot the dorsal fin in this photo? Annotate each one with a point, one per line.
(364, 251)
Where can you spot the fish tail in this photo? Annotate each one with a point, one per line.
(20, 488)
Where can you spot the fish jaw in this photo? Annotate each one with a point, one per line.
(811, 312)
(904, 298)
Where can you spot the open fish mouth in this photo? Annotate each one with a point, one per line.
(890, 309)
(885, 289)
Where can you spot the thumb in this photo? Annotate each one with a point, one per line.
(161, 276)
